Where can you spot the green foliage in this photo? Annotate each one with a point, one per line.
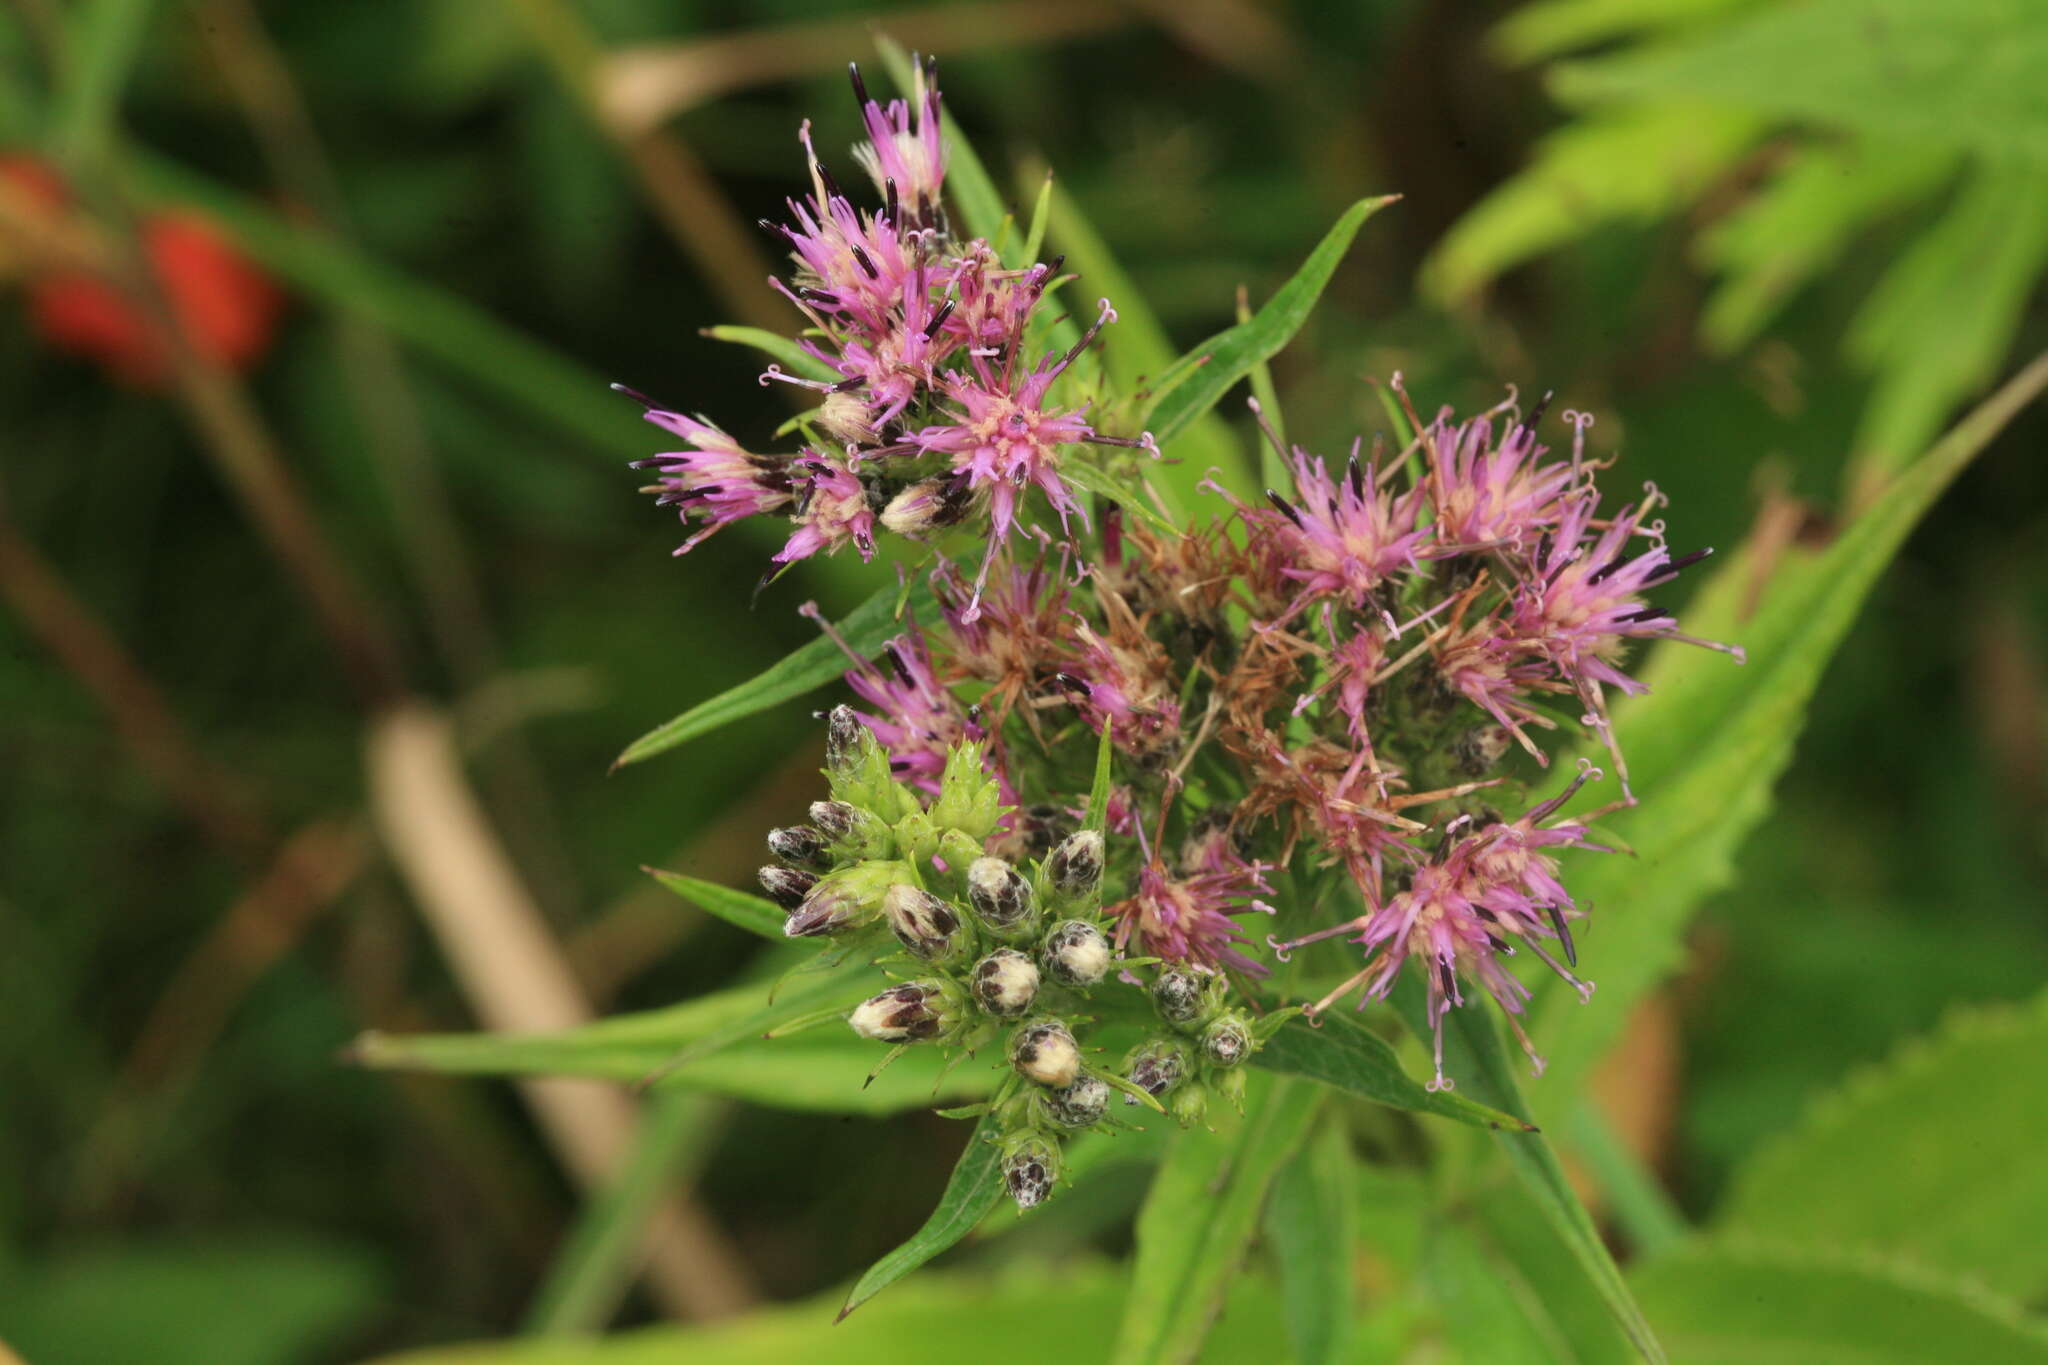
(1339, 1051)
(1312, 1226)
(1199, 1218)
(972, 1193)
(1737, 1305)
(764, 919)
(1932, 1158)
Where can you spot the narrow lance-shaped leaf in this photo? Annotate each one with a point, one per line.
(1310, 1224)
(1476, 1059)
(737, 908)
(1199, 1220)
(1344, 1053)
(973, 1190)
(1199, 380)
(781, 349)
(810, 667)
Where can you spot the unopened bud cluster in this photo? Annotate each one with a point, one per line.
(1201, 1053)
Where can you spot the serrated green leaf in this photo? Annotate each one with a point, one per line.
(1476, 1059)
(974, 1188)
(1199, 1219)
(1739, 1305)
(1934, 1156)
(812, 666)
(1311, 1224)
(1210, 370)
(781, 349)
(1707, 742)
(1345, 1054)
(737, 908)
(1628, 165)
(1798, 224)
(1938, 325)
(1971, 74)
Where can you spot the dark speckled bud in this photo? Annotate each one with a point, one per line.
(1080, 1105)
(1076, 953)
(1155, 1067)
(800, 846)
(845, 737)
(1000, 896)
(926, 926)
(787, 886)
(1075, 866)
(914, 1012)
(1181, 996)
(1044, 1051)
(1030, 1165)
(1228, 1039)
(1005, 983)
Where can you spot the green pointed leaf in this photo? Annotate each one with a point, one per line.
(781, 349)
(737, 908)
(814, 665)
(1201, 378)
(1739, 1305)
(974, 1189)
(1345, 1054)
(1098, 789)
(1706, 745)
(1199, 1219)
(1311, 1224)
(1476, 1059)
(1933, 1156)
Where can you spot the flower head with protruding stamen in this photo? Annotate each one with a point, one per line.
(832, 508)
(716, 480)
(1189, 918)
(1343, 535)
(905, 153)
(1487, 496)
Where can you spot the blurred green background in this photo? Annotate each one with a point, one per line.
(478, 213)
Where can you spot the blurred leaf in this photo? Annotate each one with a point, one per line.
(1489, 1310)
(1201, 377)
(1707, 743)
(1741, 1306)
(1476, 1058)
(1939, 324)
(1632, 165)
(778, 348)
(974, 1188)
(1030, 1317)
(1344, 1053)
(719, 1035)
(1311, 1224)
(737, 908)
(1550, 27)
(246, 1301)
(1933, 1156)
(1798, 225)
(821, 661)
(105, 41)
(1199, 1220)
(1963, 73)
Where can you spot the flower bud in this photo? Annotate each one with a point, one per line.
(926, 926)
(1183, 995)
(1080, 1105)
(1075, 867)
(1155, 1067)
(1189, 1104)
(929, 505)
(846, 740)
(856, 832)
(1030, 1165)
(1000, 896)
(800, 846)
(917, 839)
(969, 799)
(1045, 1052)
(913, 1012)
(1005, 983)
(1076, 953)
(959, 851)
(787, 886)
(1032, 833)
(844, 416)
(1228, 1039)
(845, 899)
(1230, 1086)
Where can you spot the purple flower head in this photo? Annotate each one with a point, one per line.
(1008, 636)
(1188, 918)
(915, 717)
(832, 508)
(1120, 679)
(1487, 496)
(1342, 535)
(853, 269)
(905, 153)
(715, 480)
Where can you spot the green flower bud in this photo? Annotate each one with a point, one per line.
(1001, 898)
(1076, 953)
(918, 838)
(969, 799)
(1075, 867)
(1228, 1038)
(926, 926)
(1005, 983)
(959, 851)
(845, 899)
(1030, 1166)
(1044, 1051)
(1155, 1067)
(854, 832)
(1229, 1085)
(1080, 1105)
(856, 764)
(1189, 1104)
(914, 1012)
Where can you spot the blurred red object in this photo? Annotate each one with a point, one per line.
(226, 307)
